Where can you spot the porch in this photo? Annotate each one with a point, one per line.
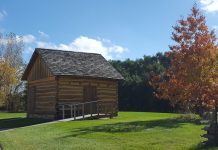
(92, 110)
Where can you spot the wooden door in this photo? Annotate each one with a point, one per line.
(90, 93)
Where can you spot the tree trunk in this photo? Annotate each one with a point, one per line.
(201, 111)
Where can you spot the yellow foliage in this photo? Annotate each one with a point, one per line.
(7, 79)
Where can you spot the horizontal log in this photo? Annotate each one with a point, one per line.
(42, 106)
(45, 104)
(45, 93)
(49, 97)
(45, 101)
(107, 96)
(46, 98)
(86, 80)
(106, 88)
(46, 83)
(70, 91)
(94, 84)
(51, 78)
(103, 86)
(69, 87)
(70, 100)
(71, 94)
(46, 107)
(72, 83)
(107, 99)
(43, 88)
(106, 93)
(85, 84)
(46, 90)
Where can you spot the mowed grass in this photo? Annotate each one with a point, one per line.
(128, 131)
(11, 115)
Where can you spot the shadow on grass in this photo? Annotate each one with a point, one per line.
(136, 126)
(10, 123)
(203, 146)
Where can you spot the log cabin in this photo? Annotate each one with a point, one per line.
(58, 80)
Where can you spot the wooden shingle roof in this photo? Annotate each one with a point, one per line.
(72, 63)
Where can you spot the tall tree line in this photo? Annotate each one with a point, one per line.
(135, 92)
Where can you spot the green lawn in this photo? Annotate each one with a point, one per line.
(128, 131)
(11, 115)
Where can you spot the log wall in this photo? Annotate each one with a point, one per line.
(42, 89)
(42, 102)
(71, 89)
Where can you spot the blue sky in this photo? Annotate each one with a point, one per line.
(118, 29)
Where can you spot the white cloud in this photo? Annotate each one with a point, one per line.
(80, 44)
(3, 14)
(209, 5)
(28, 38)
(86, 44)
(43, 34)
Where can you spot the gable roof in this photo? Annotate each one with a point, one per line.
(72, 63)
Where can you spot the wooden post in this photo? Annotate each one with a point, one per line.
(71, 111)
(106, 110)
(98, 108)
(83, 111)
(74, 111)
(63, 112)
(91, 109)
(111, 111)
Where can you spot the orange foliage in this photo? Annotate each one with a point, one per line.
(192, 77)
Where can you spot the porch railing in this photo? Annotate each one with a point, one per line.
(92, 108)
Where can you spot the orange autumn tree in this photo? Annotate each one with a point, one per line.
(192, 78)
